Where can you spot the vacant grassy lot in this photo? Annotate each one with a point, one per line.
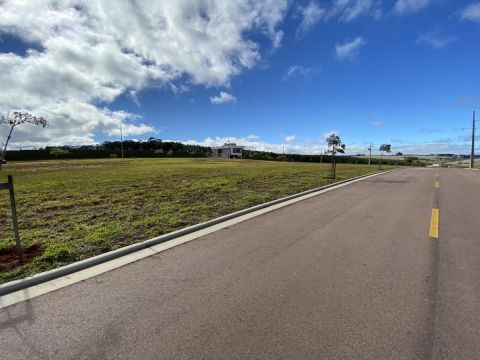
(71, 210)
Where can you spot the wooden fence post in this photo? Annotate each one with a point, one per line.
(14, 214)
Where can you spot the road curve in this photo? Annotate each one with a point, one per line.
(349, 274)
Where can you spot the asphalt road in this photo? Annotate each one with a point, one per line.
(350, 274)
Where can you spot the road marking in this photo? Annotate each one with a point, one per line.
(434, 224)
(437, 184)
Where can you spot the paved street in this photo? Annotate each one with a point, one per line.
(351, 274)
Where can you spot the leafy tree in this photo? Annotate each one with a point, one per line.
(399, 154)
(334, 146)
(18, 118)
(59, 152)
(384, 148)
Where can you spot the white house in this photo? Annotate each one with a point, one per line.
(228, 151)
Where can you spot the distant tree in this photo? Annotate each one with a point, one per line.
(15, 119)
(334, 146)
(59, 152)
(384, 148)
(399, 154)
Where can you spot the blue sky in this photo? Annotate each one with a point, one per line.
(402, 72)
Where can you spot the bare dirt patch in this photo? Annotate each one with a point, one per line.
(53, 168)
(10, 259)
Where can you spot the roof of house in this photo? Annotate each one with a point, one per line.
(228, 146)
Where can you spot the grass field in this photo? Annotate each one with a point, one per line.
(464, 164)
(71, 210)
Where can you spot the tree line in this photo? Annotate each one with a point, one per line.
(154, 147)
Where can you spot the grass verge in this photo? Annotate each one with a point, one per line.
(76, 209)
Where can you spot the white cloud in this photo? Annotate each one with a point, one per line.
(404, 7)
(256, 144)
(90, 52)
(298, 71)
(130, 129)
(290, 138)
(310, 15)
(435, 41)
(471, 12)
(349, 10)
(349, 49)
(315, 147)
(223, 98)
(378, 124)
(343, 10)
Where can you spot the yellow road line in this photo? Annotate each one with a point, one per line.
(437, 184)
(434, 224)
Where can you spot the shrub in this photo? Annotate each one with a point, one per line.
(58, 253)
(59, 152)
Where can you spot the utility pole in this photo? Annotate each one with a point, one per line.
(121, 140)
(321, 157)
(370, 154)
(472, 153)
(284, 153)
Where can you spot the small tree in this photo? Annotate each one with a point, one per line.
(59, 152)
(334, 146)
(18, 118)
(384, 148)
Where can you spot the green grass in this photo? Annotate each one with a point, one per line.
(81, 208)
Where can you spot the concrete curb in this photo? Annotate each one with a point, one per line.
(36, 279)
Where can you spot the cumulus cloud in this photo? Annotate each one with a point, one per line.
(404, 7)
(349, 49)
(471, 12)
(316, 147)
(223, 98)
(435, 40)
(85, 54)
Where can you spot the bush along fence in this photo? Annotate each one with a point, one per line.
(30, 155)
(340, 159)
(157, 148)
(52, 154)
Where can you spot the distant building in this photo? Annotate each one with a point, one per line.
(228, 151)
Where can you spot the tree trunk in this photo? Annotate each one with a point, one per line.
(380, 163)
(333, 174)
(4, 152)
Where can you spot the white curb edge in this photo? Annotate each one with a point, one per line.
(20, 290)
